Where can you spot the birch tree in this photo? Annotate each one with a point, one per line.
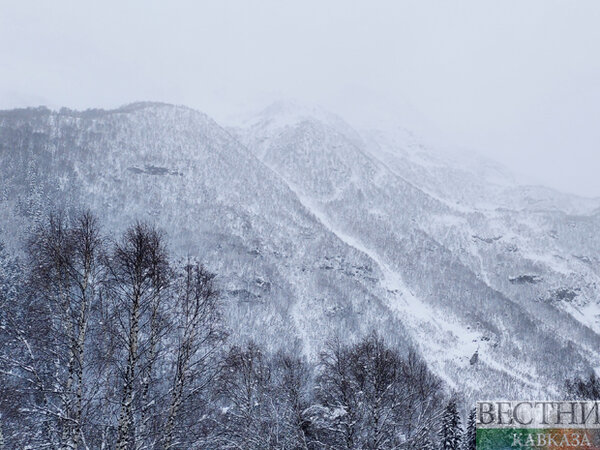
(134, 267)
(198, 332)
(86, 273)
(243, 390)
(367, 390)
(48, 327)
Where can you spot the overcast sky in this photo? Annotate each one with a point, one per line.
(515, 80)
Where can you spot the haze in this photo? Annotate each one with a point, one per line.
(518, 81)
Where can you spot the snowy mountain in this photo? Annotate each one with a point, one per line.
(316, 229)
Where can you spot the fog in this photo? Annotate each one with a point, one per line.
(518, 81)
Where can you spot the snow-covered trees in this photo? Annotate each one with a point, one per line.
(109, 343)
(198, 331)
(244, 391)
(450, 430)
(11, 279)
(470, 435)
(373, 397)
(139, 271)
(293, 376)
(584, 388)
(45, 328)
(65, 272)
(337, 390)
(10, 273)
(427, 444)
(360, 400)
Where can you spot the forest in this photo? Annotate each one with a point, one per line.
(111, 341)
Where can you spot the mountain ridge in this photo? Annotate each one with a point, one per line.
(310, 231)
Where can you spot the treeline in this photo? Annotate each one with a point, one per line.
(112, 343)
(583, 388)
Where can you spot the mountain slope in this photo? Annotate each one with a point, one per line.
(438, 252)
(282, 272)
(316, 229)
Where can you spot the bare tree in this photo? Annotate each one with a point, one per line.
(50, 256)
(337, 390)
(245, 420)
(11, 278)
(160, 279)
(420, 410)
(65, 268)
(86, 273)
(199, 333)
(121, 349)
(137, 266)
(293, 394)
(368, 390)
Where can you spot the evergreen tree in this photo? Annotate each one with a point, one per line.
(584, 388)
(470, 436)
(450, 431)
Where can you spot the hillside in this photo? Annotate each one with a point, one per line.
(316, 229)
